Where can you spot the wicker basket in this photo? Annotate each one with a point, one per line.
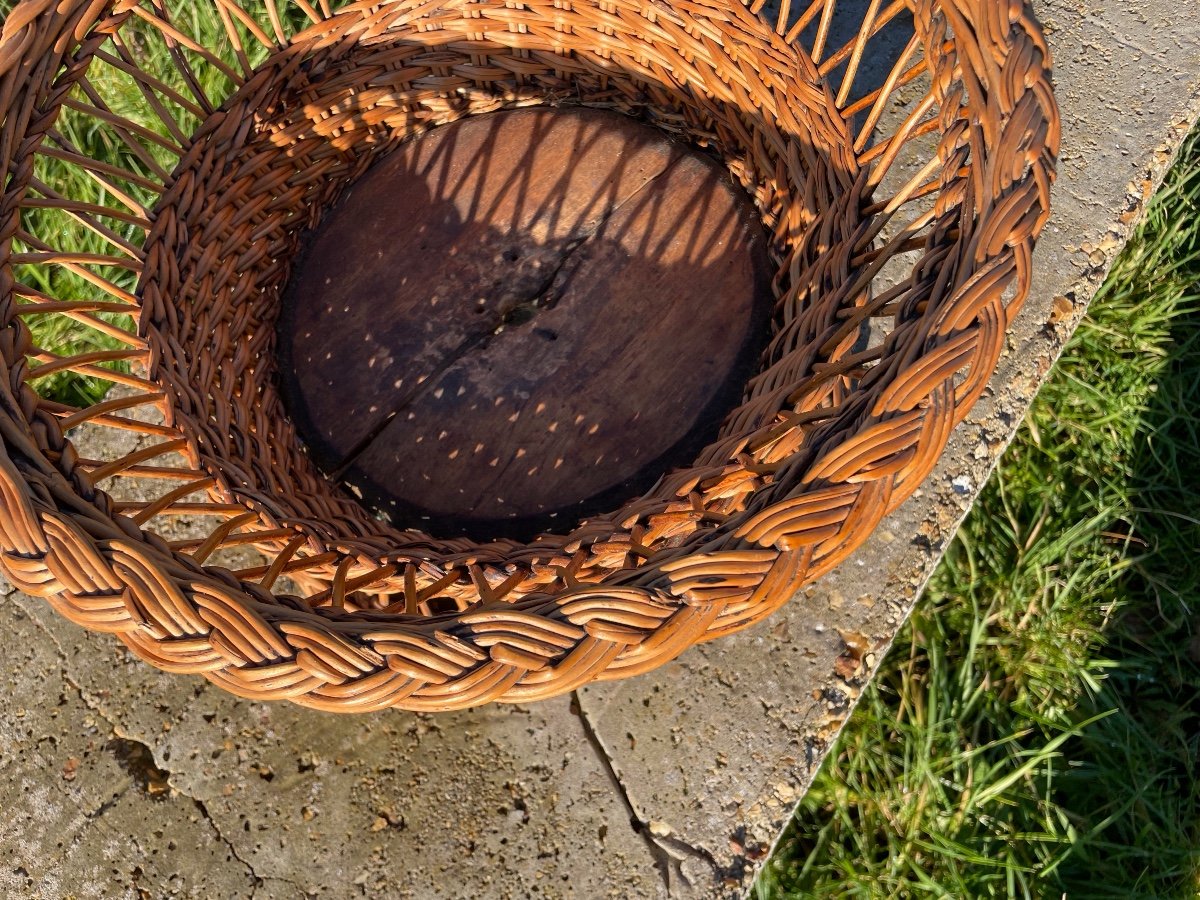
(902, 252)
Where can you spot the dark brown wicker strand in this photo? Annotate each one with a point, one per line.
(830, 437)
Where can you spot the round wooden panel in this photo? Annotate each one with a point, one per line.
(521, 319)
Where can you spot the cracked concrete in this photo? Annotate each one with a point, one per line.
(76, 822)
(669, 853)
(289, 802)
(676, 783)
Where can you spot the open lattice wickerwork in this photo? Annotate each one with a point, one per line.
(161, 165)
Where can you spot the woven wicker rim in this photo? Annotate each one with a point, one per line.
(829, 439)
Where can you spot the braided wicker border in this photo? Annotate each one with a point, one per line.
(792, 488)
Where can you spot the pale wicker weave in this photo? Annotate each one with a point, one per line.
(204, 211)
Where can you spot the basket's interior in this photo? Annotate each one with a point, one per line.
(194, 154)
(521, 319)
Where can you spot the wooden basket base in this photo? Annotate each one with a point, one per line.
(523, 318)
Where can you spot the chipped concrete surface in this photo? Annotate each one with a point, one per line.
(120, 781)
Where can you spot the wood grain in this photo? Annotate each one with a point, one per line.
(542, 311)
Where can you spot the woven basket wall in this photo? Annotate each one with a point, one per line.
(178, 509)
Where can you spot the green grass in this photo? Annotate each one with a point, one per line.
(1035, 732)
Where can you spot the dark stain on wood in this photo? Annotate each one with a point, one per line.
(522, 319)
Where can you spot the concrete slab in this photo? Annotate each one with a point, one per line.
(117, 780)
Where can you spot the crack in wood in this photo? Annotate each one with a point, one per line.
(510, 312)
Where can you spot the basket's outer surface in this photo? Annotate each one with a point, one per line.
(830, 438)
